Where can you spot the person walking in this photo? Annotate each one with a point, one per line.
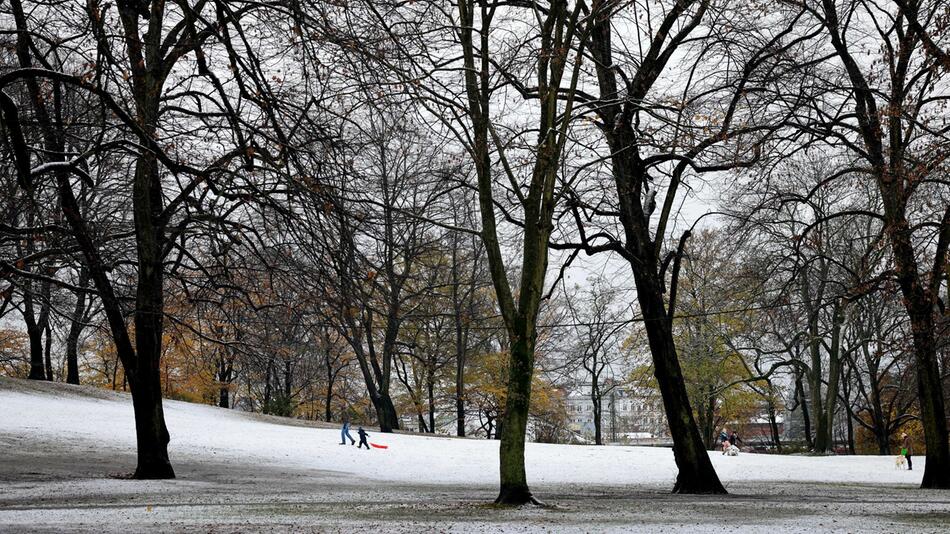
(363, 435)
(345, 431)
(905, 450)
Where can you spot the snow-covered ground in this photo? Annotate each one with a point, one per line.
(61, 443)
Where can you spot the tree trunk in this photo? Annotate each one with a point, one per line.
(431, 391)
(851, 449)
(75, 330)
(460, 342)
(225, 370)
(47, 352)
(34, 331)
(919, 307)
(696, 472)
(267, 387)
(151, 434)
(386, 413)
(35, 335)
(328, 400)
(595, 399)
(459, 411)
(803, 404)
(145, 381)
(883, 440)
(773, 427)
(514, 423)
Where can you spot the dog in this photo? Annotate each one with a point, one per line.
(732, 451)
(899, 462)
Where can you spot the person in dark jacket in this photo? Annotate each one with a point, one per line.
(345, 431)
(363, 435)
(735, 439)
(905, 450)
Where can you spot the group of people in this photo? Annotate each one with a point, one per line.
(729, 442)
(730, 445)
(345, 434)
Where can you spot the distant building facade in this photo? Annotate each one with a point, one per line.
(629, 413)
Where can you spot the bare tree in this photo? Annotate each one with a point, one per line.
(889, 122)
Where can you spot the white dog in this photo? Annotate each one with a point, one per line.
(732, 451)
(899, 462)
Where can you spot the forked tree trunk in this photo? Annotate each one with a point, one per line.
(631, 180)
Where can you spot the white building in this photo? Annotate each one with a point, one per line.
(628, 413)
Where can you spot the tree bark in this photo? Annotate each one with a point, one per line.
(773, 427)
(696, 473)
(514, 423)
(47, 352)
(75, 330)
(803, 404)
(35, 335)
(596, 401)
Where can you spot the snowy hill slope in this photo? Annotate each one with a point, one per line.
(80, 418)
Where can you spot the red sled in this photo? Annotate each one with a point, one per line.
(379, 446)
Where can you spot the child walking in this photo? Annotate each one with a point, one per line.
(363, 435)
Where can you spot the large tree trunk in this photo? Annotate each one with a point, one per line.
(631, 178)
(386, 413)
(514, 423)
(885, 148)
(151, 432)
(696, 472)
(919, 307)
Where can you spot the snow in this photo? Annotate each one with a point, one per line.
(200, 431)
(242, 472)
